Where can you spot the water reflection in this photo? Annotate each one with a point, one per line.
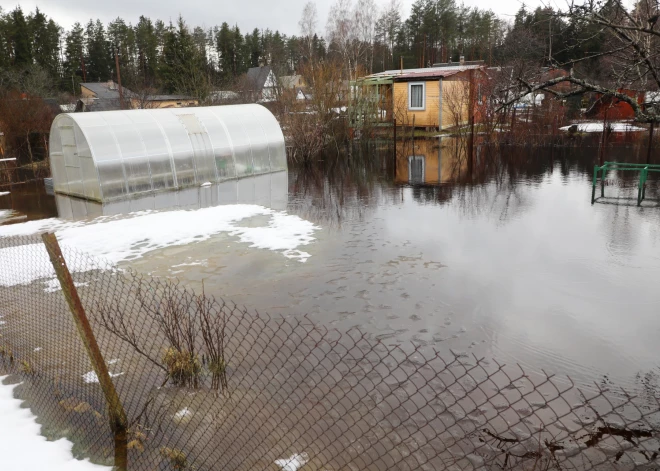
(269, 190)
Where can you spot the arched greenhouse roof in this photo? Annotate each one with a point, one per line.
(102, 156)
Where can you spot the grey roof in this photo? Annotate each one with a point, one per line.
(258, 76)
(102, 90)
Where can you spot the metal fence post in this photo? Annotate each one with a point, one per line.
(118, 421)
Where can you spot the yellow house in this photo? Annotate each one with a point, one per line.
(435, 97)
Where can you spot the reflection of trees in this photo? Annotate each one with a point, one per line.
(349, 186)
(344, 187)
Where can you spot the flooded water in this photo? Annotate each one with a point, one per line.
(508, 259)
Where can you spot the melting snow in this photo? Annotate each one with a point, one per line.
(598, 127)
(22, 448)
(293, 462)
(118, 239)
(183, 413)
(54, 285)
(90, 377)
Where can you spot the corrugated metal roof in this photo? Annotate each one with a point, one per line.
(427, 72)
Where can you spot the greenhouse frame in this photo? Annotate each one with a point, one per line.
(110, 155)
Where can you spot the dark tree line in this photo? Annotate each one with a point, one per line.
(601, 41)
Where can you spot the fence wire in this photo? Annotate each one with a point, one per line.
(208, 385)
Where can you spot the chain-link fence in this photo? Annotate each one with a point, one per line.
(208, 385)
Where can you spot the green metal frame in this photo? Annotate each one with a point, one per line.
(643, 170)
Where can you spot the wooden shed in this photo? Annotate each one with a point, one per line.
(434, 97)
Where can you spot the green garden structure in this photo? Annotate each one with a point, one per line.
(643, 170)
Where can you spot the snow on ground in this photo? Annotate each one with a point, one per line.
(22, 448)
(598, 127)
(118, 239)
(90, 376)
(293, 462)
(4, 213)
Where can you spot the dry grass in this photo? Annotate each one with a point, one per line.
(183, 367)
(176, 457)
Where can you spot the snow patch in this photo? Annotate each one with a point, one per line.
(22, 448)
(90, 376)
(205, 184)
(3, 193)
(293, 462)
(183, 413)
(54, 285)
(129, 237)
(598, 127)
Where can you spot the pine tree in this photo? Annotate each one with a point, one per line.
(19, 38)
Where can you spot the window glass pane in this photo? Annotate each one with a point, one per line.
(417, 96)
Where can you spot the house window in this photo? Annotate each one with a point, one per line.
(417, 96)
(416, 169)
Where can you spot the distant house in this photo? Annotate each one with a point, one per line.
(292, 81)
(611, 108)
(262, 83)
(104, 96)
(162, 101)
(101, 96)
(435, 97)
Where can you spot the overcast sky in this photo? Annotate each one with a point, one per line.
(282, 15)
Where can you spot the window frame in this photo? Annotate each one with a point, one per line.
(415, 108)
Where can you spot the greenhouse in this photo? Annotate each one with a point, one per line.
(110, 155)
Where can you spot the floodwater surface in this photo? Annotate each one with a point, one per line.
(507, 259)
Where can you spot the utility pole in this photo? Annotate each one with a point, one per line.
(121, 91)
(82, 64)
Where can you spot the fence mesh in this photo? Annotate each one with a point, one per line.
(208, 385)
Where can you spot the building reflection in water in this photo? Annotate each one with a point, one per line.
(269, 190)
(430, 161)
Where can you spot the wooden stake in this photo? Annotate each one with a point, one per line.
(118, 421)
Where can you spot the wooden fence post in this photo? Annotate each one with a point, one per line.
(118, 421)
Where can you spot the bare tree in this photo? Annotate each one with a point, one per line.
(351, 30)
(630, 56)
(307, 25)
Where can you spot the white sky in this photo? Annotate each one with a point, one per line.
(248, 14)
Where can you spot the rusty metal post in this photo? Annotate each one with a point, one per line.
(650, 149)
(118, 421)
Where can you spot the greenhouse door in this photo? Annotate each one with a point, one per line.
(71, 160)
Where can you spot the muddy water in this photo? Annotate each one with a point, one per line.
(510, 262)
(507, 259)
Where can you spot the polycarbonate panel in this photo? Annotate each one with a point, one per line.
(134, 157)
(158, 150)
(115, 154)
(111, 175)
(91, 188)
(258, 142)
(241, 143)
(180, 147)
(221, 143)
